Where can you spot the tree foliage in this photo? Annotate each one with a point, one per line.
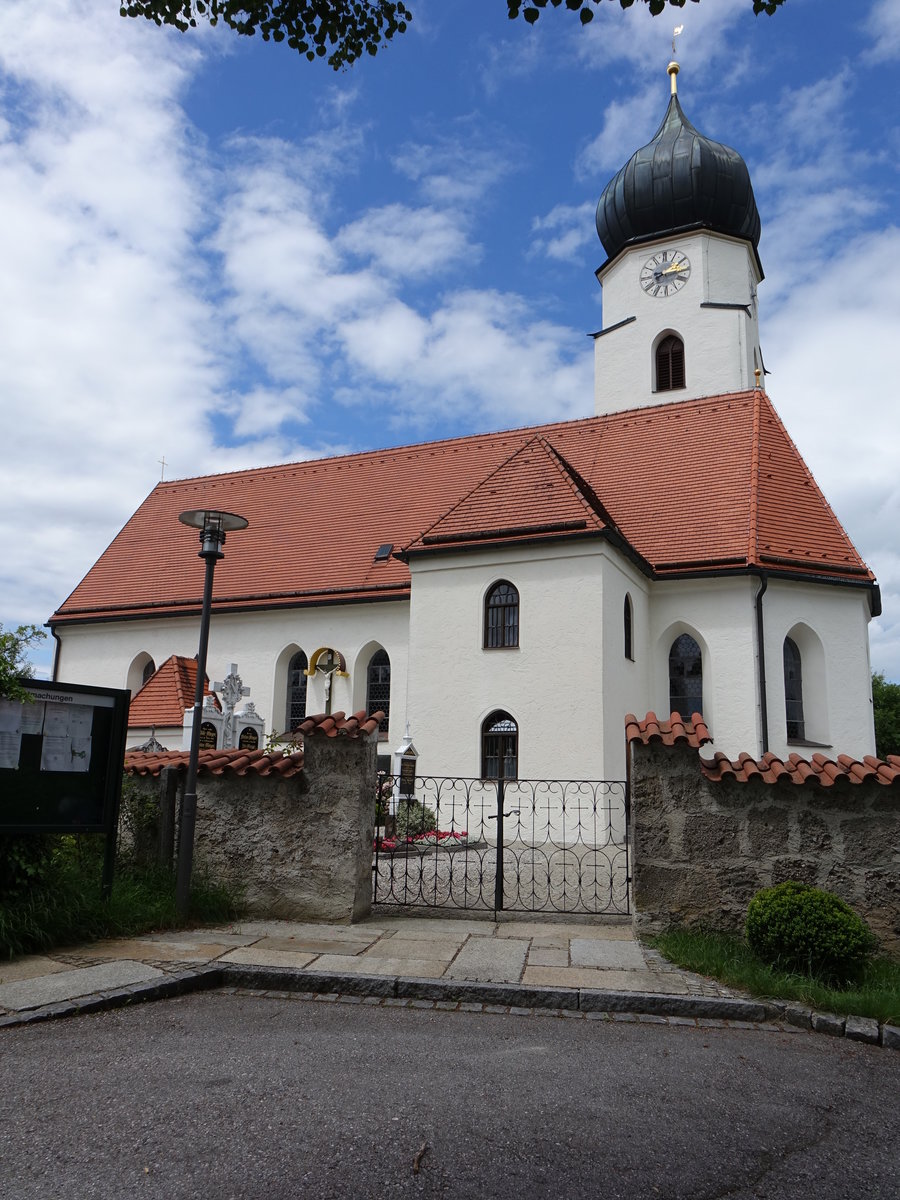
(531, 9)
(886, 702)
(341, 31)
(14, 645)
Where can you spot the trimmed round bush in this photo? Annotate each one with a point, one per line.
(800, 928)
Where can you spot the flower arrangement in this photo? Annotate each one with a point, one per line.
(434, 837)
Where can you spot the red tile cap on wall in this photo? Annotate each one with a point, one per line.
(675, 732)
(818, 771)
(217, 762)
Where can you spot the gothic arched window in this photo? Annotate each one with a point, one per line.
(629, 625)
(378, 689)
(501, 616)
(670, 364)
(296, 691)
(685, 677)
(793, 691)
(499, 747)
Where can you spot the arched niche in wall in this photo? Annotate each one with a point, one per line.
(802, 648)
(141, 669)
(284, 683)
(684, 672)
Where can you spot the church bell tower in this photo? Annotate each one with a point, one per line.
(680, 228)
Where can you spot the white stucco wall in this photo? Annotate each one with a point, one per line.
(719, 344)
(830, 628)
(262, 644)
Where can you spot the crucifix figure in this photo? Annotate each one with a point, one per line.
(232, 689)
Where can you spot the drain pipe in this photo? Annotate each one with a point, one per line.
(761, 660)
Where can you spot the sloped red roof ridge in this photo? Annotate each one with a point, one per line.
(258, 762)
(818, 771)
(695, 485)
(167, 694)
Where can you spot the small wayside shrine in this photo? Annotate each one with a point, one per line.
(511, 596)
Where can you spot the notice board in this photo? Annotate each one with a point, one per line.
(61, 758)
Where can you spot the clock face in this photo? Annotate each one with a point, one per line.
(665, 273)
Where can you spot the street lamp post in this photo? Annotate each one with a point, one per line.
(213, 526)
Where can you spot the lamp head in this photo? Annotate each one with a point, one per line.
(213, 525)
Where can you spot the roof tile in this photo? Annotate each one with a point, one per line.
(693, 485)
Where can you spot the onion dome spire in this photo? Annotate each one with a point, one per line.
(679, 181)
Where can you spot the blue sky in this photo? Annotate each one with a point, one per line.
(214, 252)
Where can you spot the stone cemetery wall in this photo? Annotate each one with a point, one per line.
(702, 848)
(297, 847)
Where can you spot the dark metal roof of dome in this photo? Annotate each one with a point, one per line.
(680, 180)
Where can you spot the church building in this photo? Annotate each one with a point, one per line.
(509, 597)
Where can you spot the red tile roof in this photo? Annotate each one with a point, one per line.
(711, 484)
(258, 762)
(818, 771)
(166, 694)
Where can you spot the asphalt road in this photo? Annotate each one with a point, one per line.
(240, 1096)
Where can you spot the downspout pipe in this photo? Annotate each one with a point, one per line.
(761, 660)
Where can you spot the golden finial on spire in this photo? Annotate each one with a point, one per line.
(673, 67)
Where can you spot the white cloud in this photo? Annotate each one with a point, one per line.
(565, 232)
(627, 124)
(883, 26)
(456, 169)
(408, 242)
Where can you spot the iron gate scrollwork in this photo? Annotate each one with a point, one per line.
(526, 845)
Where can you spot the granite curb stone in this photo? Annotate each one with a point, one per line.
(468, 996)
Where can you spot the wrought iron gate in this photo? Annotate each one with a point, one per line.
(527, 845)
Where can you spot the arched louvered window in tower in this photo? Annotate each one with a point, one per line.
(499, 747)
(670, 364)
(501, 616)
(685, 677)
(295, 709)
(793, 691)
(378, 689)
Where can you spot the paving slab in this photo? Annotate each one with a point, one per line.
(563, 929)
(310, 929)
(260, 956)
(144, 948)
(607, 981)
(616, 955)
(419, 968)
(66, 985)
(546, 956)
(223, 937)
(436, 948)
(490, 960)
(430, 926)
(32, 967)
(315, 945)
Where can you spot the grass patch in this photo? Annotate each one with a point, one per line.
(64, 906)
(731, 961)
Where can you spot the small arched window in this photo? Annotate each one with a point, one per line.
(793, 691)
(378, 689)
(501, 616)
(628, 626)
(499, 746)
(296, 691)
(148, 671)
(685, 677)
(670, 364)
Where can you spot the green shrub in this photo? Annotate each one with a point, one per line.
(414, 818)
(800, 928)
(25, 862)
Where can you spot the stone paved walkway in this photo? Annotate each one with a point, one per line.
(604, 956)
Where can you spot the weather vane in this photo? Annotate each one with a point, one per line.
(677, 30)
